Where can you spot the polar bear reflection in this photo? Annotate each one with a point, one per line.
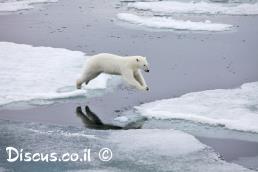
(91, 120)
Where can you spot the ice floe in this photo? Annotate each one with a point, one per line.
(17, 5)
(170, 23)
(41, 73)
(232, 108)
(133, 150)
(144, 140)
(170, 7)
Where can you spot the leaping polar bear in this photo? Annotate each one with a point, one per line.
(129, 67)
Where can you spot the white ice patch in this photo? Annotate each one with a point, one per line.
(41, 73)
(17, 5)
(170, 7)
(121, 119)
(157, 142)
(170, 23)
(233, 108)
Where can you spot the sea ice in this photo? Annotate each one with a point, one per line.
(170, 23)
(170, 7)
(11, 6)
(39, 73)
(232, 108)
(133, 150)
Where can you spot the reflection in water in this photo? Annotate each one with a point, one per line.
(91, 120)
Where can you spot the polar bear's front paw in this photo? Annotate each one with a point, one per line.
(143, 88)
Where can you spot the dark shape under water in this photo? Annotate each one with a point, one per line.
(91, 120)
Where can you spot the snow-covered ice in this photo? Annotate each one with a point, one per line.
(133, 150)
(170, 7)
(41, 73)
(17, 5)
(170, 23)
(232, 108)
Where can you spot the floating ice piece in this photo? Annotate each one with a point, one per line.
(130, 120)
(169, 7)
(11, 6)
(145, 141)
(121, 119)
(232, 108)
(169, 23)
(39, 73)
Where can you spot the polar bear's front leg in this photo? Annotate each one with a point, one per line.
(129, 77)
(138, 76)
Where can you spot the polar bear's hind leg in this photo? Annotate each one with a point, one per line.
(86, 78)
(91, 77)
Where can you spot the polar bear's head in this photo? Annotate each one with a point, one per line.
(142, 63)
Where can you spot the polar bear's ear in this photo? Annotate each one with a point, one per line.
(137, 60)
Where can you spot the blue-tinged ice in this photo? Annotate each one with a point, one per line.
(133, 150)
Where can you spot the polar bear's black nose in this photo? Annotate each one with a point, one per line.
(147, 70)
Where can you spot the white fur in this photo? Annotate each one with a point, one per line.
(129, 67)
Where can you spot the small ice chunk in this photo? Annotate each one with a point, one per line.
(121, 119)
(170, 23)
(11, 6)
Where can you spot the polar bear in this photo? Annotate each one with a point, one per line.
(129, 67)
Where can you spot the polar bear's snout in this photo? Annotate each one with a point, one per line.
(146, 68)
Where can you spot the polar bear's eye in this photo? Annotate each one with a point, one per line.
(144, 65)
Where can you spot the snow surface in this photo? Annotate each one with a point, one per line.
(41, 73)
(169, 7)
(170, 23)
(232, 108)
(133, 150)
(12, 6)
